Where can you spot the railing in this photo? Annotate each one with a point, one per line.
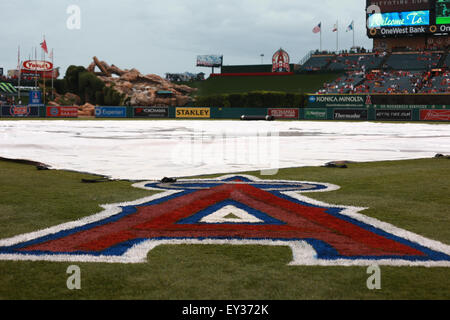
(306, 58)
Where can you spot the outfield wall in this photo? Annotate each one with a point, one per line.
(362, 100)
(257, 68)
(341, 112)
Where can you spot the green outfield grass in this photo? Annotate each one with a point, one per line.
(301, 83)
(409, 194)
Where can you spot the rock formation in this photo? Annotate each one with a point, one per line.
(86, 110)
(139, 89)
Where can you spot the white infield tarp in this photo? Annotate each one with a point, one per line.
(150, 150)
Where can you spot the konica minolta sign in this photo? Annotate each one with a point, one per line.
(339, 100)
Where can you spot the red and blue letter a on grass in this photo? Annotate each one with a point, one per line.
(235, 210)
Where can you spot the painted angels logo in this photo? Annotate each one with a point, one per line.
(234, 210)
(280, 61)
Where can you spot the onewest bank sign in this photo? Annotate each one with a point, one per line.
(339, 100)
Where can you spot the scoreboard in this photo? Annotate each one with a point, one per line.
(396, 18)
(400, 5)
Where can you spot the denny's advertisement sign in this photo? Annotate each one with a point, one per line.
(193, 113)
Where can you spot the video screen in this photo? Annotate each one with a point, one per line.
(399, 19)
(400, 6)
(443, 12)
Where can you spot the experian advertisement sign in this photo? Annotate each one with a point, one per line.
(399, 19)
(110, 112)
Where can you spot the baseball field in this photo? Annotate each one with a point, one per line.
(410, 195)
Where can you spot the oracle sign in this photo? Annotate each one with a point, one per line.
(36, 65)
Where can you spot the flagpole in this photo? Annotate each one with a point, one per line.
(53, 71)
(321, 37)
(337, 36)
(43, 72)
(20, 74)
(353, 27)
(35, 68)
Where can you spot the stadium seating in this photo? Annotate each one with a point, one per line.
(355, 62)
(447, 62)
(413, 61)
(438, 84)
(344, 84)
(398, 72)
(395, 82)
(316, 63)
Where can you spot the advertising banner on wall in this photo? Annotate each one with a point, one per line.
(62, 112)
(193, 113)
(339, 101)
(350, 114)
(405, 106)
(35, 98)
(110, 112)
(19, 111)
(151, 112)
(315, 114)
(393, 115)
(435, 115)
(283, 113)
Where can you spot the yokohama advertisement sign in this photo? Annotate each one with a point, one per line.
(36, 65)
(435, 115)
(62, 112)
(284, 113)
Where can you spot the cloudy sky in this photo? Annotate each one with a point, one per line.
(158, 36)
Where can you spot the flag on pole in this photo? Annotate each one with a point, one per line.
(317, 28)
(44, 46)
(350, 27)
(335, 28)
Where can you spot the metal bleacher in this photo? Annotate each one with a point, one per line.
(355, 61)
(413, 61)
(398, 72)
(447, 61)
(315, 63)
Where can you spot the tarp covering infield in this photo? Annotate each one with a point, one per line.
(150, 150)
